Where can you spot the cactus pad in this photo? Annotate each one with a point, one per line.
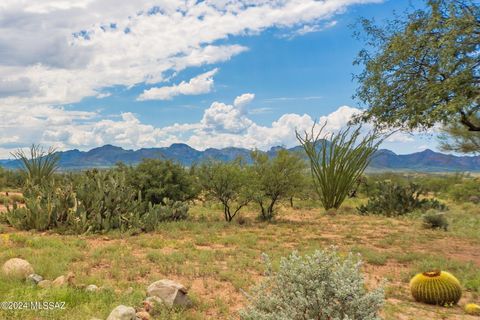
(436, 287)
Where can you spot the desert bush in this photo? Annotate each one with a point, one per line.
(158, 179)
(158, 213)
(337, 161)
(321, 286)
(274, 179)
(391, 199)
(435, 220)
(467, 190)
(227, 183)
(11, 179)
(440, 184)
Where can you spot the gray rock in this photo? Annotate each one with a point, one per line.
(34, 278)
(122, 313)
(170, 292)
(17, 268)
(91, 288)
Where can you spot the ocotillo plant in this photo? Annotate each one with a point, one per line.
(38, 165)
(337, 160)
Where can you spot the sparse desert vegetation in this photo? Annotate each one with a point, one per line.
(124, 243)
(306, 230)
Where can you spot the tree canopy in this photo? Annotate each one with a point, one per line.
(423, 69)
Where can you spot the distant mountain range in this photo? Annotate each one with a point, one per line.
(383, 160)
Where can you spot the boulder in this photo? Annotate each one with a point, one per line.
(474, 199)
(170, 292)
(59, 281)
(34, 278)
(122, 313)
(17, 268)
(91, 288)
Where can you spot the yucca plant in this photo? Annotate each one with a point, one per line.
(38, 165)
(337, 160)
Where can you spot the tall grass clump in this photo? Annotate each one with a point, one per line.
(322, 286)
(337, 160)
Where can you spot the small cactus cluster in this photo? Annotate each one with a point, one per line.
(436, 287)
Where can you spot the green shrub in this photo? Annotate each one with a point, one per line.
(435, 220)
(158, 179)
(466, 190)
(318, 286)
(392, 200)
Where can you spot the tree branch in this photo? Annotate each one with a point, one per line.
(466, 122)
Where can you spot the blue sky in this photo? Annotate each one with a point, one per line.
(131, 88)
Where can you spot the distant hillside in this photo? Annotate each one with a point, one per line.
(109, 155)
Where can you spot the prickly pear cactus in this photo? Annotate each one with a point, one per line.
(436, 287)
(473, 309)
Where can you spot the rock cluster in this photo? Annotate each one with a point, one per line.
(161, 293)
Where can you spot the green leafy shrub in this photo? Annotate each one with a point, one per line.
(337, 161)
(392, 200)
(319, 286)
(435, 220)
(158, 179)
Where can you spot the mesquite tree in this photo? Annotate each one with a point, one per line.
(275, 178)
(227, 183)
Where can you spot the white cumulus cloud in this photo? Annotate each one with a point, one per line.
(59, 52)
(202, 83)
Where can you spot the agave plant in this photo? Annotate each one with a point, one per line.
(337, 160)
(38, 165)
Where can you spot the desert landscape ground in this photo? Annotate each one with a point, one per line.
(216, 260)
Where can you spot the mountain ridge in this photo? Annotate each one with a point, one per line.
(384, 159)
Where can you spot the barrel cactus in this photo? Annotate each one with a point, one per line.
(472, 308)
(436, 287)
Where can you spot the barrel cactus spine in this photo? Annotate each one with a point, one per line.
(436, 287)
